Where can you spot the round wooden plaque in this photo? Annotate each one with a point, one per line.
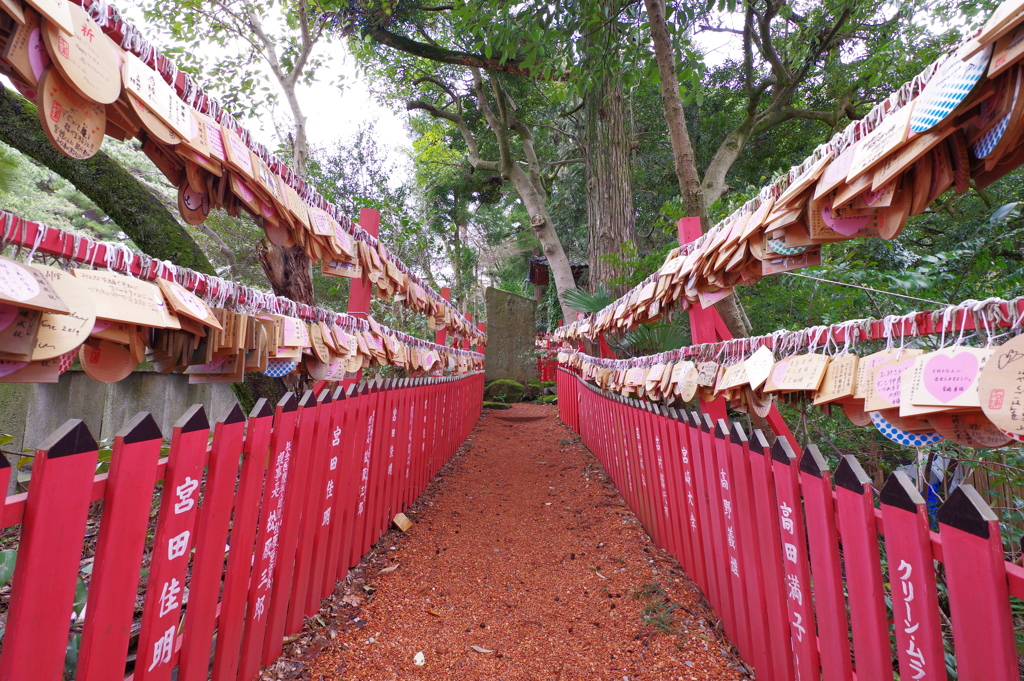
(73, 124)
(317, 370)
(106, 361)
(277, 233)
(854, 410)
(893, 219)
(1000, 383)
(194, 206)
(152, 123)
(86, 58)
(62, 333)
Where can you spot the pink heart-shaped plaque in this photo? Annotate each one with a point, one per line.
(779, 371)
(844, 226)
(947, 377)
(889, 380)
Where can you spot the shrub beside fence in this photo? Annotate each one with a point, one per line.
(298, 493)
(800, 563)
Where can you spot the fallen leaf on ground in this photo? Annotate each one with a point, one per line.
(481, 650)
(386, 570)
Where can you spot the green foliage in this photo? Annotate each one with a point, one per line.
(505, 391)
(579, 299)
(650, 339)
(8, 559)
(496, 405)
(548, 399)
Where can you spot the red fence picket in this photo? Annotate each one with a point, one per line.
(751, 525)
(294, 517)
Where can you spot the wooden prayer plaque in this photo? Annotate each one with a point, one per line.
(75, 125)
(883, 140)
(159, 97)
(19, 330)
(86, 58)
(57, 12)
(105, 361)
(187, 304)
(25, 51)
(125, 299)
(59, 334)
(26, 286)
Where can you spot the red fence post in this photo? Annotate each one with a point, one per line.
(295, 493)
(979, 602)
(119, 548)
(314, 493)
(823, 539)
(230, 624)
(730, 518)
(211, 537)
(339, 510)
(751, 556)
(856, 507)
(268, 540)
(912, 580)
(172, 545)
(43, 589)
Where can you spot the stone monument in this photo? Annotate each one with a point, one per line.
(511, 336)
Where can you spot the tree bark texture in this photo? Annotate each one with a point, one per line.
(611, 220)
(142, 216)
(682, 150)
(528, 183)
(288, 269)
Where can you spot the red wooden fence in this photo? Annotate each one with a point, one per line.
(800, 561)
(297, 493)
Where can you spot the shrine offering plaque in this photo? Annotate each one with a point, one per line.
(14, 9)
(187, 304)
(57, 12)
(883, 140)
(1001, 387)
(25, 51)
(75, 125)
(159, 97)
(27, 287)
(106, 361)
(948, 87)
(193, 205)
(19, 328)
(59, 333)
(86, 58)
(125, 299)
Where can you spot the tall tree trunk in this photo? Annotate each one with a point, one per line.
(611, 220)
(682, 149)
(289, 271)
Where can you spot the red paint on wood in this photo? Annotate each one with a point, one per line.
(43, 587)
(173, 541)
(211, 537)
(231, 620)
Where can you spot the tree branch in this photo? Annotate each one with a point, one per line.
(444, 56)
(467, 134)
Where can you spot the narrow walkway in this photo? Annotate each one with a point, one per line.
(523, 563)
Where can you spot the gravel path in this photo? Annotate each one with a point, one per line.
(523, 563)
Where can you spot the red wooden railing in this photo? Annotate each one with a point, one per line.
(785, 549)
(298, 494)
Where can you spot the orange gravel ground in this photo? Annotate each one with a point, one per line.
(522, 548)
